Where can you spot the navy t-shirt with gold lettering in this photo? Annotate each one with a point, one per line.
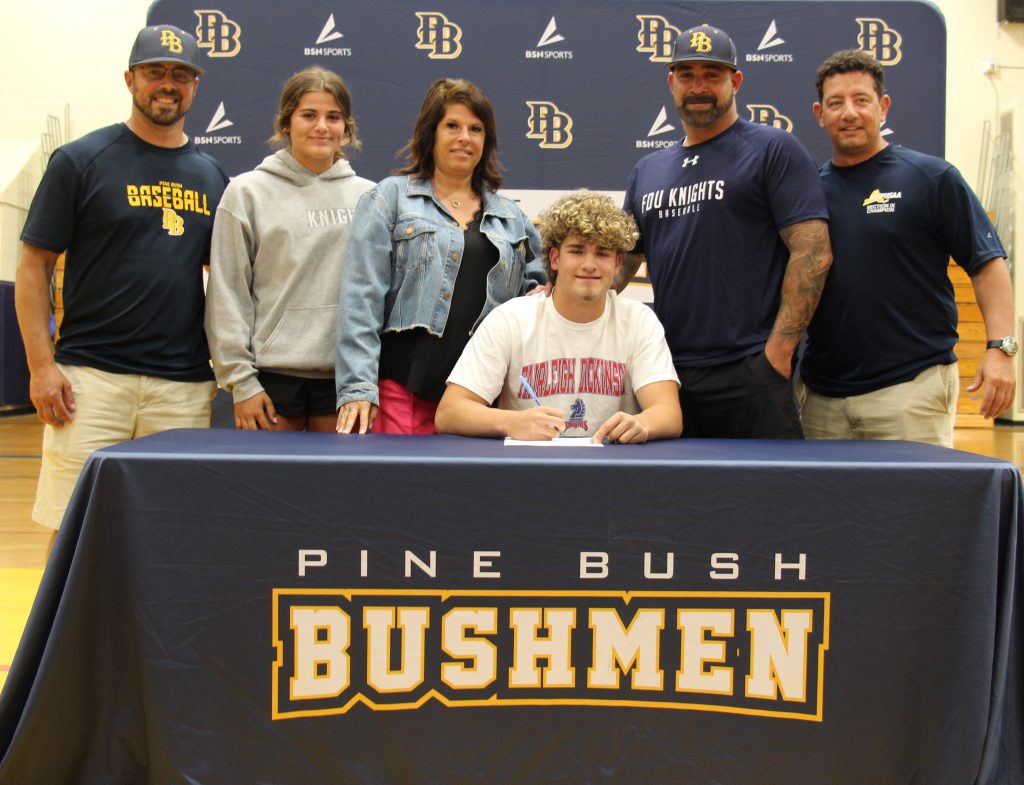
(135, 220)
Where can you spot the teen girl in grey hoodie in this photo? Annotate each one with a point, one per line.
(275, 262)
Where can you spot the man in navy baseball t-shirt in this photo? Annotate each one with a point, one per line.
(734, 233)
(131, 206)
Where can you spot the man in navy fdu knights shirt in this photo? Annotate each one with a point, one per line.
(734, 233)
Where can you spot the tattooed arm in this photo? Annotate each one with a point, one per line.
(810, 254)
(630, 264)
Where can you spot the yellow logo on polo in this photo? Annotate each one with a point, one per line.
(218, 34)
(700, 42)
(656, 37)
(440, 36)
(766, 114)
(881, 202)
(875, 198)
(548, 124)
(170, 42)
(879, 40)
(173, 223)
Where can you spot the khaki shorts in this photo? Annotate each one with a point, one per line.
(921, 410)
(111, 408)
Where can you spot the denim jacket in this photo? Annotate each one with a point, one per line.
(399, 271)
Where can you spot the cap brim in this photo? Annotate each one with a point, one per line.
(726, 63)
(164, 59)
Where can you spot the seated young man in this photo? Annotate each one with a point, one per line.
(597, 364)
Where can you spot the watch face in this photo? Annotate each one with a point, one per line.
(1010, 346)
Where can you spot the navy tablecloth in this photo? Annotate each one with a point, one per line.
(228, 607)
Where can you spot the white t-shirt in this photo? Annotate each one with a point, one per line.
(589, 371)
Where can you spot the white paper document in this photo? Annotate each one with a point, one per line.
(510, 442)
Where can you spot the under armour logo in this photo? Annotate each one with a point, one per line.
(690, 161)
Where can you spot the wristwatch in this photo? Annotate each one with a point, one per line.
(1007, 345)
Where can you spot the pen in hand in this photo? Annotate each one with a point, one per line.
(532, 394)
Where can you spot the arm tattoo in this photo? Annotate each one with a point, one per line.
(630, 264)
(810, 254)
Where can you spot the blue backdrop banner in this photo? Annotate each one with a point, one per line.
(579, 88)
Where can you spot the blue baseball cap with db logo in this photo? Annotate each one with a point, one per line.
(704, 43)
(165, 44)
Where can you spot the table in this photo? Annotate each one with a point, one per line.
(305, 608)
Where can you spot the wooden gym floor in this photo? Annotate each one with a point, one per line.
(23, 543)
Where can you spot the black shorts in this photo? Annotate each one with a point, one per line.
(295, 396)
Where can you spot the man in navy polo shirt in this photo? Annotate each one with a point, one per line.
(132, 206)
(734, 232)
(879, 362)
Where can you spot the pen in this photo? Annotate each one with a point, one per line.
(532, 394)
(529, 390)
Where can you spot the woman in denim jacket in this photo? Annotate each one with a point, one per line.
(432, 251)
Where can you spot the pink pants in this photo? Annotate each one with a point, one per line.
(402, 412)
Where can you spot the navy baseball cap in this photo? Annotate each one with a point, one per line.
(704, 43)
(165, 44)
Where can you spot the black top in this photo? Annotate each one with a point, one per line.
(421, 361)
(888, 309)
(135, 220)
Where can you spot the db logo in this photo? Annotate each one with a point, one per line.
(170, 41)
(880, 40)
(656, 37)
(218, 34)
(700, 43)
(766, 114)
(442, 38)
(173, 223)
(551, 126)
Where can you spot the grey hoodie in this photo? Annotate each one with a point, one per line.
(275, 262)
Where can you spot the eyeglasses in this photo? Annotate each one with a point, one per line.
(158, 73)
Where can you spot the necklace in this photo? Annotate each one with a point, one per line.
(456, 203)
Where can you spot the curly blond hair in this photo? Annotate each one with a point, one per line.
(591, 216)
